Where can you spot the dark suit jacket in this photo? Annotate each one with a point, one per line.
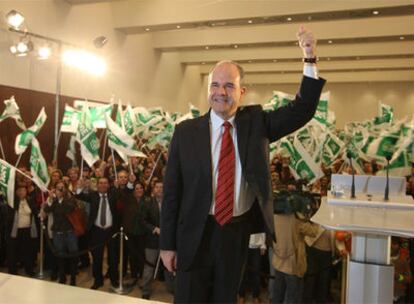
(93, 198)
(188, 180)
(150, 221)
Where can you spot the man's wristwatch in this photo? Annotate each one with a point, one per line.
(310, 60)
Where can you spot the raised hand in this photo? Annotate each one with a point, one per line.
(307, 42)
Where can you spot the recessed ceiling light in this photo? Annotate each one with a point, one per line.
(203, 63)
(402, 38)
(207, 47)
(178, 26)
(328, 58)
(236, 46)
(288, 19)
(329, 41)
(274, 60)
(213, 24)
(147, 29)
(250, 61)
(250, 21)
(375, 12)
(309, 17)
(357, 58)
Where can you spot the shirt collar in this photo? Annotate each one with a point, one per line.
(217, 121)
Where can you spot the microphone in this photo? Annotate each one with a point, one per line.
(349, 155)
(387, 185)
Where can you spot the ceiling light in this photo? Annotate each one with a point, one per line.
(236, 46)
(328, 58)
(207, 47)
(44, 52)
(22, 48)
(274, 60)
(85, 61)
(402, 38)
(250, 21)
(203, 63)
(329, 41)
(13, 49)
(14, 19)
(147, 29)
(288, 19)
(375, 12)
(100, 41)
(250, 61)
(178, 26)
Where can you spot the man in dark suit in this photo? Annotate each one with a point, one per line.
(103, 222)
(217, 186)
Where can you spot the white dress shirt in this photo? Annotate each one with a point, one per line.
(243, 195)
(108, 213)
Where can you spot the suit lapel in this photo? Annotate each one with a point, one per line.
(203, 146)
(242, 126)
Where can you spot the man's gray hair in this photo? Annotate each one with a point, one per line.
(238, 66)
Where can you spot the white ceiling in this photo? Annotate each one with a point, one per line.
(354, 42)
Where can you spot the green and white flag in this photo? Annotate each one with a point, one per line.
(71, 153)
(400, 164)
(194, 111)
(97, 112)
(321, 114)
(129, 121)
(332, 147)
(7, 180)
(385, 114)
(87, 139)
(301, 163)
(120, 141)
(12, 111)
(70, 120)
(278, 100)
(38, 166)
(25, 138)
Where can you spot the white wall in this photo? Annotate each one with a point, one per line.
(142, 76)
(136, 73)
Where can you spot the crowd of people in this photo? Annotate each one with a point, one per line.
(298, 268)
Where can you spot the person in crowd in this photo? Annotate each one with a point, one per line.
(402, 272)
(73, 174)
(289, 254)
(210, 210)
(151, 222)
(103, 222)
(133, 215)
(320, 251)
(251, 277)
(61, 203)
(22, 231)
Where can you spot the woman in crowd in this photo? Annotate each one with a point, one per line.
(61, 203)
(22, 231)
(134, 211)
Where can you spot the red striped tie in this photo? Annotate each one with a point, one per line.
(225, 182)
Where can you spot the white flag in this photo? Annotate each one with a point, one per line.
(7, 179)
(38, 166)
(12, 111)
(25, 138)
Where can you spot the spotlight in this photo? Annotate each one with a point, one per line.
(22, 48)
(14, 19)
(44, 52)
(100, 41)
(85, 61)
(13, 49)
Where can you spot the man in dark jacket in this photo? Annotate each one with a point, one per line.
(217, 183)
(103, 222)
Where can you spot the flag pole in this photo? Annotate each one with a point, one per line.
(155, 166)
(18, 160)
(81, 173)
(104, 144)
(113, 160)
(2, 150)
